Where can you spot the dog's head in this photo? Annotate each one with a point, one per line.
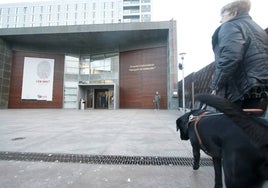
(182, 124)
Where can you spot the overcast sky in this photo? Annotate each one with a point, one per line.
(196, 22)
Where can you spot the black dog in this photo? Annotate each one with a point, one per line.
(227, 144)
(256, 128)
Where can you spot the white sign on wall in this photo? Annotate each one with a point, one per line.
(38, 74)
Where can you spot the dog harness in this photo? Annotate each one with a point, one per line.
(196, 120)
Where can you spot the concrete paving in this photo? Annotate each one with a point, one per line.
(96, 132)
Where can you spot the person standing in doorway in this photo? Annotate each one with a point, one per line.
(103, 100)
(156, 101)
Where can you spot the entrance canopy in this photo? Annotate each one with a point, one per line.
(88, 39)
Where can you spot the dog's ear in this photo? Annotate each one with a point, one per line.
(182, 126)
(181, 121)
(178, 122)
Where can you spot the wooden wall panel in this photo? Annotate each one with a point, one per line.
(142, 73)
(17, 79)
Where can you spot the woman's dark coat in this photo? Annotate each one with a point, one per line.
(241, 57)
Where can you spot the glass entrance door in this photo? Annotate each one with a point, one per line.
(90, 96)
(101, 98)
(111, 99)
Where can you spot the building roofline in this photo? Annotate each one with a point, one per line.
(85, 28)
(89, 39)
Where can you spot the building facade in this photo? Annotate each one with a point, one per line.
(105, 66)
(86, 54)
(74, 12)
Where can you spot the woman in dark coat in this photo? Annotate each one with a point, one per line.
(241, 57)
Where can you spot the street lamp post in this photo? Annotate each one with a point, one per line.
(181, 67)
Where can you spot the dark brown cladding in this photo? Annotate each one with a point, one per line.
(142, 73)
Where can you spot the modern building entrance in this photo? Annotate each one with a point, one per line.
(101, 98)
(98, 96)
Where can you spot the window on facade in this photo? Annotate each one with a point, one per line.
(145, 8)
(85, 16)
(24, 10)
(71, 65)
(84, 66)
(146, 18)
(85, 6)
(94, 6)
(100, 66)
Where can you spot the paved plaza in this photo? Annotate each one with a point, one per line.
(124, 133)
